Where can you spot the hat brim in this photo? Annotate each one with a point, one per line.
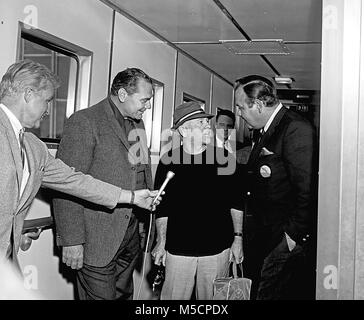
(196, 116)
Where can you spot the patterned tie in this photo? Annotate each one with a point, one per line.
(22, 149)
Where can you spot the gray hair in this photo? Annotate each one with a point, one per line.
(26, 73)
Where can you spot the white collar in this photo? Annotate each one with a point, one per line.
(271, 118)
(15, 123)
(219, 142)
(224, 144)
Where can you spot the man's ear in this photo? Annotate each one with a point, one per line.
(182, 130)
(27, 94)
(260, 105)
(122, 94)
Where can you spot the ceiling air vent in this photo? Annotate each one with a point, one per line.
(257, 47)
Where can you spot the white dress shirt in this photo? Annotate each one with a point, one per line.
(226, 145)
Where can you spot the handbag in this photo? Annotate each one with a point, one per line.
(232, 288)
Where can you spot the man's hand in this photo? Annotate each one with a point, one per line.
(144, 199)
(159, 254)
(72, 256)
(236, 250)
(27, 239)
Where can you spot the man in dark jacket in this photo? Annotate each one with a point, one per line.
(280, 174)
(107, 141)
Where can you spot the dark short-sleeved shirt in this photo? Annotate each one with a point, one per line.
(197, 203)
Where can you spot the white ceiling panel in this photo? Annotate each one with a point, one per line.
(181, 20)
(189, 23)
(298, 20)
(227, 64)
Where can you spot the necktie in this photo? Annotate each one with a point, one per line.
(22, 149)
(257, 135)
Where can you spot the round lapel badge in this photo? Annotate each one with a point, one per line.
(265, 171)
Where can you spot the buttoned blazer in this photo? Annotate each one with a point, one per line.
(94, 143)
(281, 171)
(44, 171)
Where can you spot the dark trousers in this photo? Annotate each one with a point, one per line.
(115, 280)
(280, 274)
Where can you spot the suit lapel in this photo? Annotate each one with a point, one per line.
(254, 155)
(29, 188)
(9, 131)
(120, 132)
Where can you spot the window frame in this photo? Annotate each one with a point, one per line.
(82, 56)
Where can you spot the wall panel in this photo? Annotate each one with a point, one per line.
(192, 79)
(222, 95)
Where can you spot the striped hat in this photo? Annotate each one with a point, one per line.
(188, 111)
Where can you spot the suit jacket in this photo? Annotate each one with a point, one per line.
(44, 171)
(280, 175)
(93, 142)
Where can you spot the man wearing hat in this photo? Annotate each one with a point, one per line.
(280, 171)
(200, 226)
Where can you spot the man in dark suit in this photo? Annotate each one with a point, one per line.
(25, 92)
(279, 178)
(224, 125)
(225, 135)
(107, 141)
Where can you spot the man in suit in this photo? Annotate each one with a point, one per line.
(107, 141)
(225, 136)
(25, 91)
(224, 125)
(280, 201)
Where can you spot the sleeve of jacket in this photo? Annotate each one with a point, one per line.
(76, 150)
(298, 148)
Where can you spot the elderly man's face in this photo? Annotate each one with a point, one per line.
(198, 131)
(37, 106)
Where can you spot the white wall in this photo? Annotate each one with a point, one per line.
(192, 79)
(222, 94)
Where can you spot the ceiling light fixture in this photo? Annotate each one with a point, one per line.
(256, 46)
(283, 80)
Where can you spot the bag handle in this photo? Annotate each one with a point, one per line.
(235, 269)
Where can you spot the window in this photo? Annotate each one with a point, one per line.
(153, 118)
(72, 64)
(66, 68)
